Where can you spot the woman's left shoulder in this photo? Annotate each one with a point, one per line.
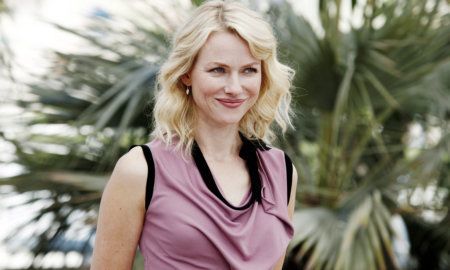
(270, 150)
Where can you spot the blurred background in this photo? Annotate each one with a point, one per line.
(371, 144)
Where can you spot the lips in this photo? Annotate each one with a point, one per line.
(231, 103)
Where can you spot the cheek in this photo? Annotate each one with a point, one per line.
(254, 87)
(207, 86)
(203, 92)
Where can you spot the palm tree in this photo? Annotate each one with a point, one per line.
(72, 163)
(5, 52)
(358, 93)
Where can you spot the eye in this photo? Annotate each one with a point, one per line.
(217, 70)
(250, 70)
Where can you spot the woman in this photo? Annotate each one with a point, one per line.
(207, 192)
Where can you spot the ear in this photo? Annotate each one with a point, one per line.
(186, 79)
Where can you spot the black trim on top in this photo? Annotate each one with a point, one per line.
(150, 174)
(289, 170)
(249, 154)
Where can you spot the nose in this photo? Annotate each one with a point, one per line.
(233, 86)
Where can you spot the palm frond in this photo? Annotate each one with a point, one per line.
(344, 239)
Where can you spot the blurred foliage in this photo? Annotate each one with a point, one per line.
(359, 95)
(67, 216)
(5, 51)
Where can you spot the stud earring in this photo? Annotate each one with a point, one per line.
(187, 90)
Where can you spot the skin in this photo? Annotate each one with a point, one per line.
(121, 215)
(224, 70)
(291, 209)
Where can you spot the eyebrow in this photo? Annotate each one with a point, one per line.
(223, 64)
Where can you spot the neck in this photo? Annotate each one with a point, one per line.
(218, 143)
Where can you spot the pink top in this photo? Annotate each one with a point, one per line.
(190, 225)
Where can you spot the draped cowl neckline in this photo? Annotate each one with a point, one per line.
(248, 152)
(186, 211)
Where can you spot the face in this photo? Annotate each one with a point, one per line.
(225, 80)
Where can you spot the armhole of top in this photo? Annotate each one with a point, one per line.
(288, 175)
(150, 173)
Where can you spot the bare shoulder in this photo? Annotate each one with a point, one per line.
(291, 205)
(294, 177)
(121, 213)
(129, 176)
(131, 167)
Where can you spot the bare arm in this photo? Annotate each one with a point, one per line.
(121, 215)
(291, 208)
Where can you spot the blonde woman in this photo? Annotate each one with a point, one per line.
(207, 192)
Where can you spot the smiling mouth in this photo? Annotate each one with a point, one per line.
(231, 103)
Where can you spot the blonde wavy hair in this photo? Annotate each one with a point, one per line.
(174, 113)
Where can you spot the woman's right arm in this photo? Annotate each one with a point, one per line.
(121, 215)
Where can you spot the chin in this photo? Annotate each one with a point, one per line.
(229, 121)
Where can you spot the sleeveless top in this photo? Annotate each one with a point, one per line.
(189, 224)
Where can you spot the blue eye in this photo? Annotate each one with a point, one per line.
(217, 70)
(250, 70)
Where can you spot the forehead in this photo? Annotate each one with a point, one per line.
(225, 47)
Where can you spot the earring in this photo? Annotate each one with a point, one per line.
(187, 90)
